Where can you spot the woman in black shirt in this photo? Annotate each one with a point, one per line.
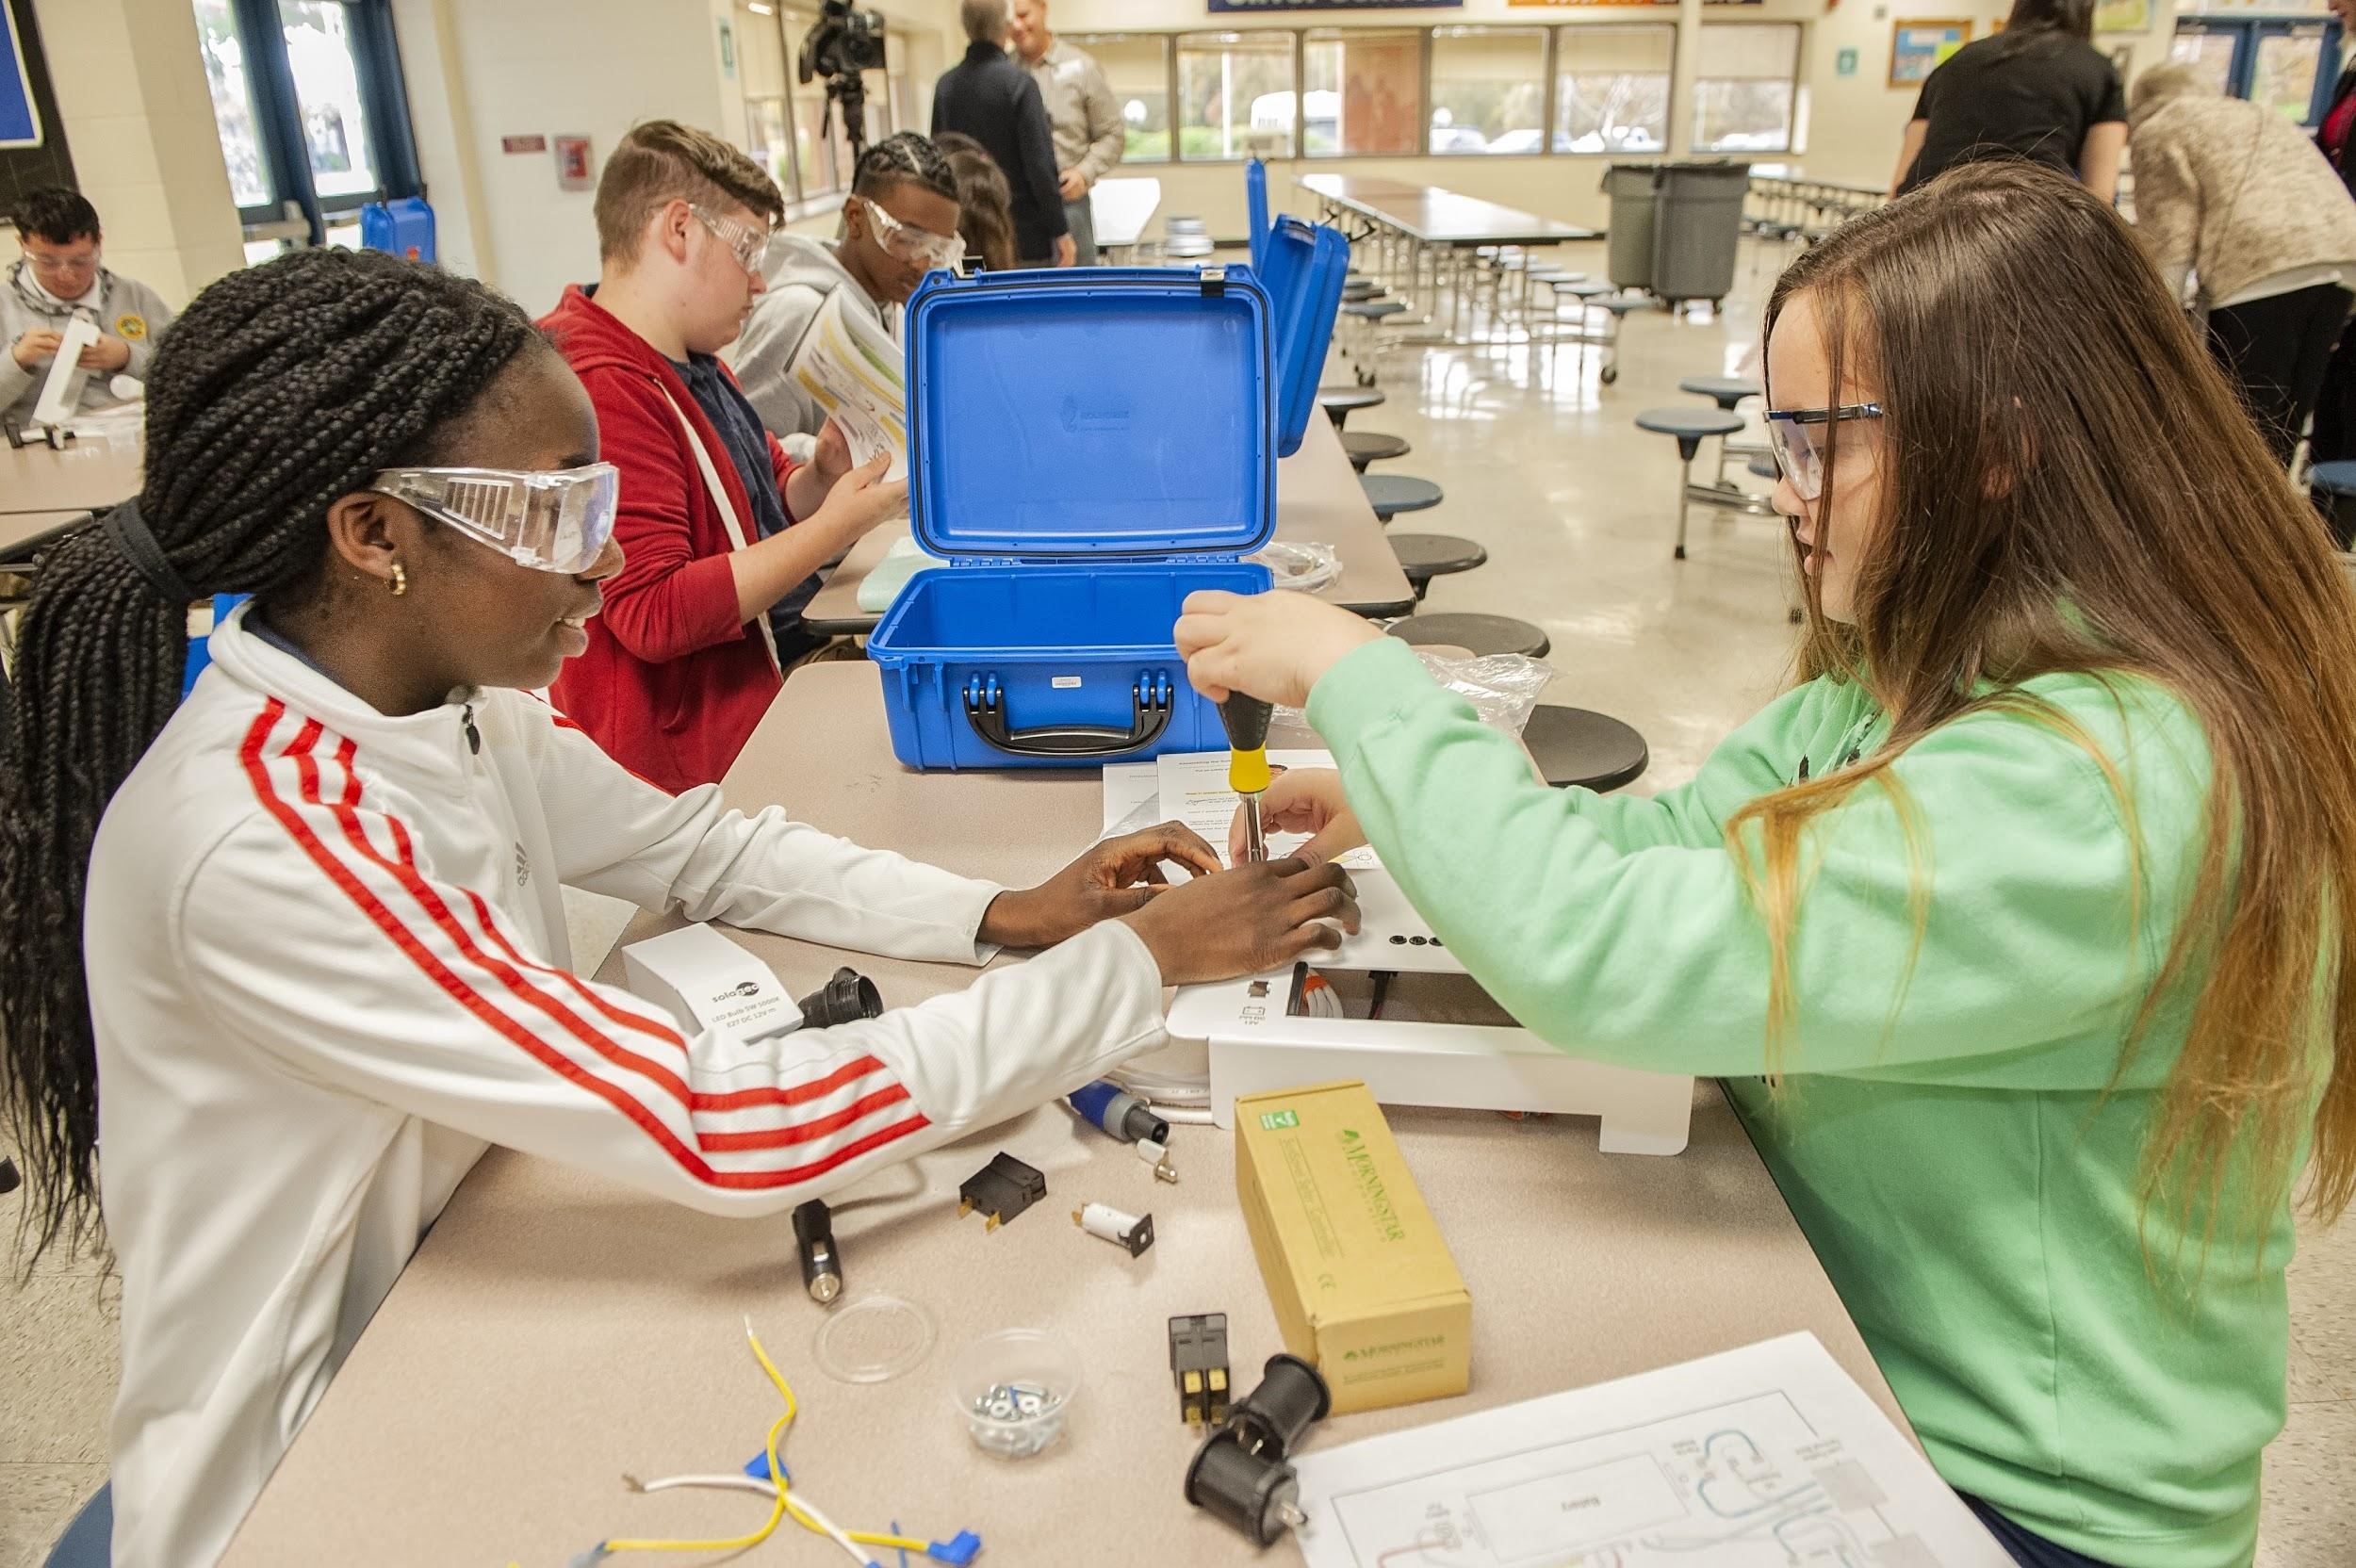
(2038, 89)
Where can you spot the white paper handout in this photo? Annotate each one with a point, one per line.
(1193, 791)
(1765, 1457)
(851, 369)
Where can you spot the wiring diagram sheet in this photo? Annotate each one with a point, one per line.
(1765, 1457)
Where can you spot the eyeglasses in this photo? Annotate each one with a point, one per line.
(558, 520)
(911, 244)
(68, 266)
(1796, 435)
(749, 245)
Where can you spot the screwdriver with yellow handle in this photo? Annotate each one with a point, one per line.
(1245, 720)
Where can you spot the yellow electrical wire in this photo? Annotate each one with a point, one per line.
(785, 1503)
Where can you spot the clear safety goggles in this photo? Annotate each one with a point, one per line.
(747, 243)
(1798, 436)
(914, 245)
(557, 520)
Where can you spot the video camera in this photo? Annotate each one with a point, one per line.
(843, 43)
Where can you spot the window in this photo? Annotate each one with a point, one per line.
(1136, 68)
(2288, 64)
(308, 103)
(1363, 92)
(1612, 89)
(763, 72)
(1488, 90)
(232, 103)
(1235, 95)
(1745, 86)
(336, 134)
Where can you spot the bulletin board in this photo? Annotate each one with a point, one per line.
(1917, 44)
(32, 138)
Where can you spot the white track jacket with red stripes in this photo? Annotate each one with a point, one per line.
(328, 967)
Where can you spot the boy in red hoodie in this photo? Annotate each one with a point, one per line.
(723, 535)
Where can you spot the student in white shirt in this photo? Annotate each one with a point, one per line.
(318, 963)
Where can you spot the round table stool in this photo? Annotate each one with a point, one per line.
(1372, 446)
(1425, 556)
(1392, 493)
(1577, 746)
(1479, 635)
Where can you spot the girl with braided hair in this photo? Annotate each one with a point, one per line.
(900, 221)
(278, 964)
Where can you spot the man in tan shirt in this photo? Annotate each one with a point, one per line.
(1080, 108)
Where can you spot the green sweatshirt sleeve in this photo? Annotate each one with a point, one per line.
(1648, 953)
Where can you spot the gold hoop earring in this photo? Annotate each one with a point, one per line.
(401, 580)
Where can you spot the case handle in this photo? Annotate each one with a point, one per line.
(1152, 698)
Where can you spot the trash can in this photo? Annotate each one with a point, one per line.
(1628, 230)
(1696, 225)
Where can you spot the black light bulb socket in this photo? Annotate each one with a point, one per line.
(1291, 1398)
(1245, 1492)
(845, 999)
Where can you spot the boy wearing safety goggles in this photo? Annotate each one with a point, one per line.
(725, 538)
(900, 221)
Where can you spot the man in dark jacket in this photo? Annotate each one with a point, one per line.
(989, 97)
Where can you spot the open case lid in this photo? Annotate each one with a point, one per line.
(1091, 413)
(1303, 270)
(1255, 203)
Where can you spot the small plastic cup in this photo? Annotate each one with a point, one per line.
(1014, 1389)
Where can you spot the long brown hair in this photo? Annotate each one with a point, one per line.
(984, 202)
(2074, 486)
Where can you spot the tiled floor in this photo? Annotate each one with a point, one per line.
(1543, 466)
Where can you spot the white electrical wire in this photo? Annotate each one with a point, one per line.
(1164, 1088)
(764, 1488)
(1185, 1116)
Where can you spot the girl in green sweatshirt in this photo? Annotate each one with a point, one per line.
(2011, 927)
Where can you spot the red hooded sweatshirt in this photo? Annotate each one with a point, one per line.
(675, 679)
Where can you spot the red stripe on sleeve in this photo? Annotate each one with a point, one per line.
(468, 997)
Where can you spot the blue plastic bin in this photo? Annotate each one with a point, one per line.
(1304, 268)
(402, 228)
(1087, 449)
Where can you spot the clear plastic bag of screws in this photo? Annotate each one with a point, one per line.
(1503, 688)
(1302, 568)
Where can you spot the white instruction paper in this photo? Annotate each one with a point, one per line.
(1765, 1457)
(852, 369)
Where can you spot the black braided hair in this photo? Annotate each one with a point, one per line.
(280, 389)
(904, 157)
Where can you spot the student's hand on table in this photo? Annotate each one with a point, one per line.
(1273, 646)
(108, 355)
(861, 500)
(1256, 918)
(35, 347)
(1305, 800)
(1067, 251)
(1074, 185)
(1115, 877)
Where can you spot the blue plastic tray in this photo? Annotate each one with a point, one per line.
(1087, 447)
(1304, 266)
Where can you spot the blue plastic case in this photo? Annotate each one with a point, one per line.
(1087, 449)
(1255, 208)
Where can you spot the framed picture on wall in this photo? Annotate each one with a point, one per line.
(1918, 44)
(2123, 16)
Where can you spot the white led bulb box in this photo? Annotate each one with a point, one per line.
(1394, 1008)
(709, 982)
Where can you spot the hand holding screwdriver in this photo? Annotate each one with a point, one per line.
(1245, 720)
